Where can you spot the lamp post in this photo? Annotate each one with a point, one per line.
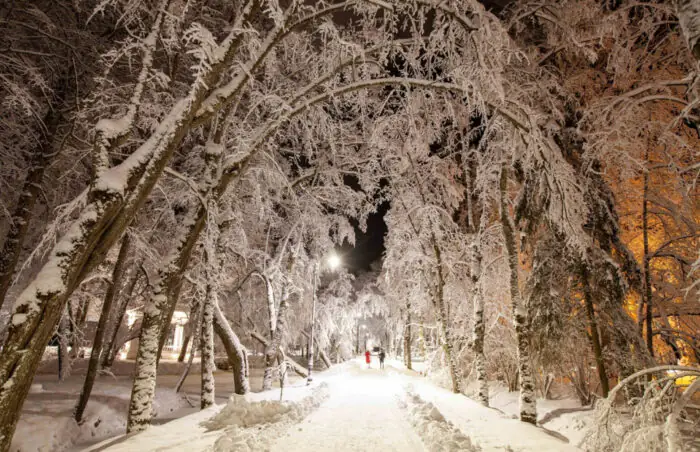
(333, 263)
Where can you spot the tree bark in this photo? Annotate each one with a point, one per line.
(479, 327)
(76, 327)
(272, 347)
(407, 339)
(110, 349)
(448, 341)
(185, 344)
(647, 272)
(594, 337)
(96, 353)
(271, 314)
(207, 346)
(235, 351)
(196, 332)
(63, 355)
(310, 364)
(41, 156)
(528, 403)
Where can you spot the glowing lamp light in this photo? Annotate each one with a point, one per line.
(334, 261)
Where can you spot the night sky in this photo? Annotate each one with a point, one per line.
(369, 246)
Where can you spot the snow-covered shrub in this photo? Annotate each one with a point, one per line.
(662, 419)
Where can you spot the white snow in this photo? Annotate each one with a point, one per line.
(47, 425)
(347, 408)
(574, 425)
(222, 424)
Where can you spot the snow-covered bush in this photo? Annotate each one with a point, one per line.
(664, 418)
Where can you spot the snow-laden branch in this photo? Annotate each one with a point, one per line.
(110, 133)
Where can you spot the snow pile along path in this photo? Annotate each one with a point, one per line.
(437, 433)
(233, 426)
(486, 428)
(271, 417)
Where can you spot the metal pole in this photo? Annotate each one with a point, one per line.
(313, 321)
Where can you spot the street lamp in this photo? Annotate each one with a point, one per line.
(333, 263)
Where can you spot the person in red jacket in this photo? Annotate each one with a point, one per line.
(367, 359)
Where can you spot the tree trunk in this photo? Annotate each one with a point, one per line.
(479, 327)
(448, 342)
(272, 347)
(110, 348)
(272, 315)
(595, 338)
(321, 354)
(40, 158)
(528, 403)
(407, 339)
(207, 346)
(310, 364)
(96, 353)
(76, 325)
(196, 330)
(185, 344)
(296, 367)
(648, 302)
(235, 351)
(421, 339)
(188, 332)
(63, 356)
(158, 310)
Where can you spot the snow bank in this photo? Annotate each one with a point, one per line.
(565, 416)
(58, 432)
(437, 433)
(271, 418)
(47, 423)
(247, 422)
(487, 428)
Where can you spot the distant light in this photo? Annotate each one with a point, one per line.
(334, 261)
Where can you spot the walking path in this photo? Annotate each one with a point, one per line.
(361, 414)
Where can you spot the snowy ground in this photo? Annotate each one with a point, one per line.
(565, 416)
(46, 424)
(349, 408)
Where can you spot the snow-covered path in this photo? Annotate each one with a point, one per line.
(348, 408)
(361, 414)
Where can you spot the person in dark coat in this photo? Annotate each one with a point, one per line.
(367, 359)
(382, 355)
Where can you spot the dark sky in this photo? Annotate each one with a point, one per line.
(369, 246)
